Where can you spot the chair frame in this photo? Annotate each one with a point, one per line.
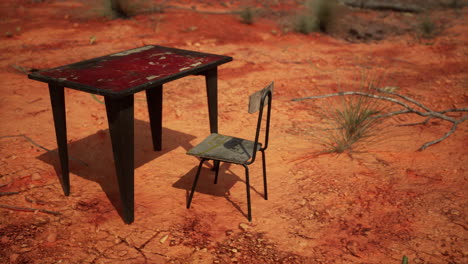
(266, 94)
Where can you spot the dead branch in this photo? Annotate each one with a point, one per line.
(5, 184)
(33, 201)
(8, 193)
(382, 5)
(28, 209)
(428, 113)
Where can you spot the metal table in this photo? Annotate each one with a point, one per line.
(118, 77)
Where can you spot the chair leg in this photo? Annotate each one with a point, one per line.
(195, 183)
(216, 167)
(247, 184)
(265, 189)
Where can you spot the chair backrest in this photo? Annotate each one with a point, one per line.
(257, 102)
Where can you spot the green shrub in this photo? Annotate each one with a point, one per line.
(455, 4)
(353, 122)
(427, 27)
(318, 15)
(247, 15)
(129, 8)
(405, 260)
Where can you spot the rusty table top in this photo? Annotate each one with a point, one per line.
(130, 71)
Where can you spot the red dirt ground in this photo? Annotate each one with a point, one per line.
(369, 206)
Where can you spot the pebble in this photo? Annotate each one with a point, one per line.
(41, 220)
(163, 239)
(25, 249)
(36, 176)
(243, 226)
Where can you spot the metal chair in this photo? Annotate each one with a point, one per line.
(221, 148)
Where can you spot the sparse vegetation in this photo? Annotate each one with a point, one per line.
(405, 260)
(351, 122)
(127, 8)
(455, 4)
(318, 16)
(247, 15)
(427, 27)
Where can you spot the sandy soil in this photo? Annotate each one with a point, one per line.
(373, 205)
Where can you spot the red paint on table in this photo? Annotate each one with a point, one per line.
(127, 69)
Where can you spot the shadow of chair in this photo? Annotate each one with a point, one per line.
(91, 157)
(223, 148)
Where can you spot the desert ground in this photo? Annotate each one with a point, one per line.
(376, 202)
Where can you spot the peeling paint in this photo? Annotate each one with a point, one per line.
(127, 69)
(127, 52)
(161, 53)
(152, 77)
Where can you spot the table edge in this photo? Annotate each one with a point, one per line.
(86, 88)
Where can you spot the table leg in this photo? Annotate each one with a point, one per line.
(154, 99)
(211, 78)
(57, 99)
(121, 126)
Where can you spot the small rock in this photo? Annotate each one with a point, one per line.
(36, 176)
(352, 247)
(234, 250)
(163, 239)
(123, 253)
(41, 220)
(229, 232)
(25, 249)
(243, 226)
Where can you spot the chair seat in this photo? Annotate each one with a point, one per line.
(224, 148)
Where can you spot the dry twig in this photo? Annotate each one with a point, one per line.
(7, 193)
(28, 209)
(405, 103)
